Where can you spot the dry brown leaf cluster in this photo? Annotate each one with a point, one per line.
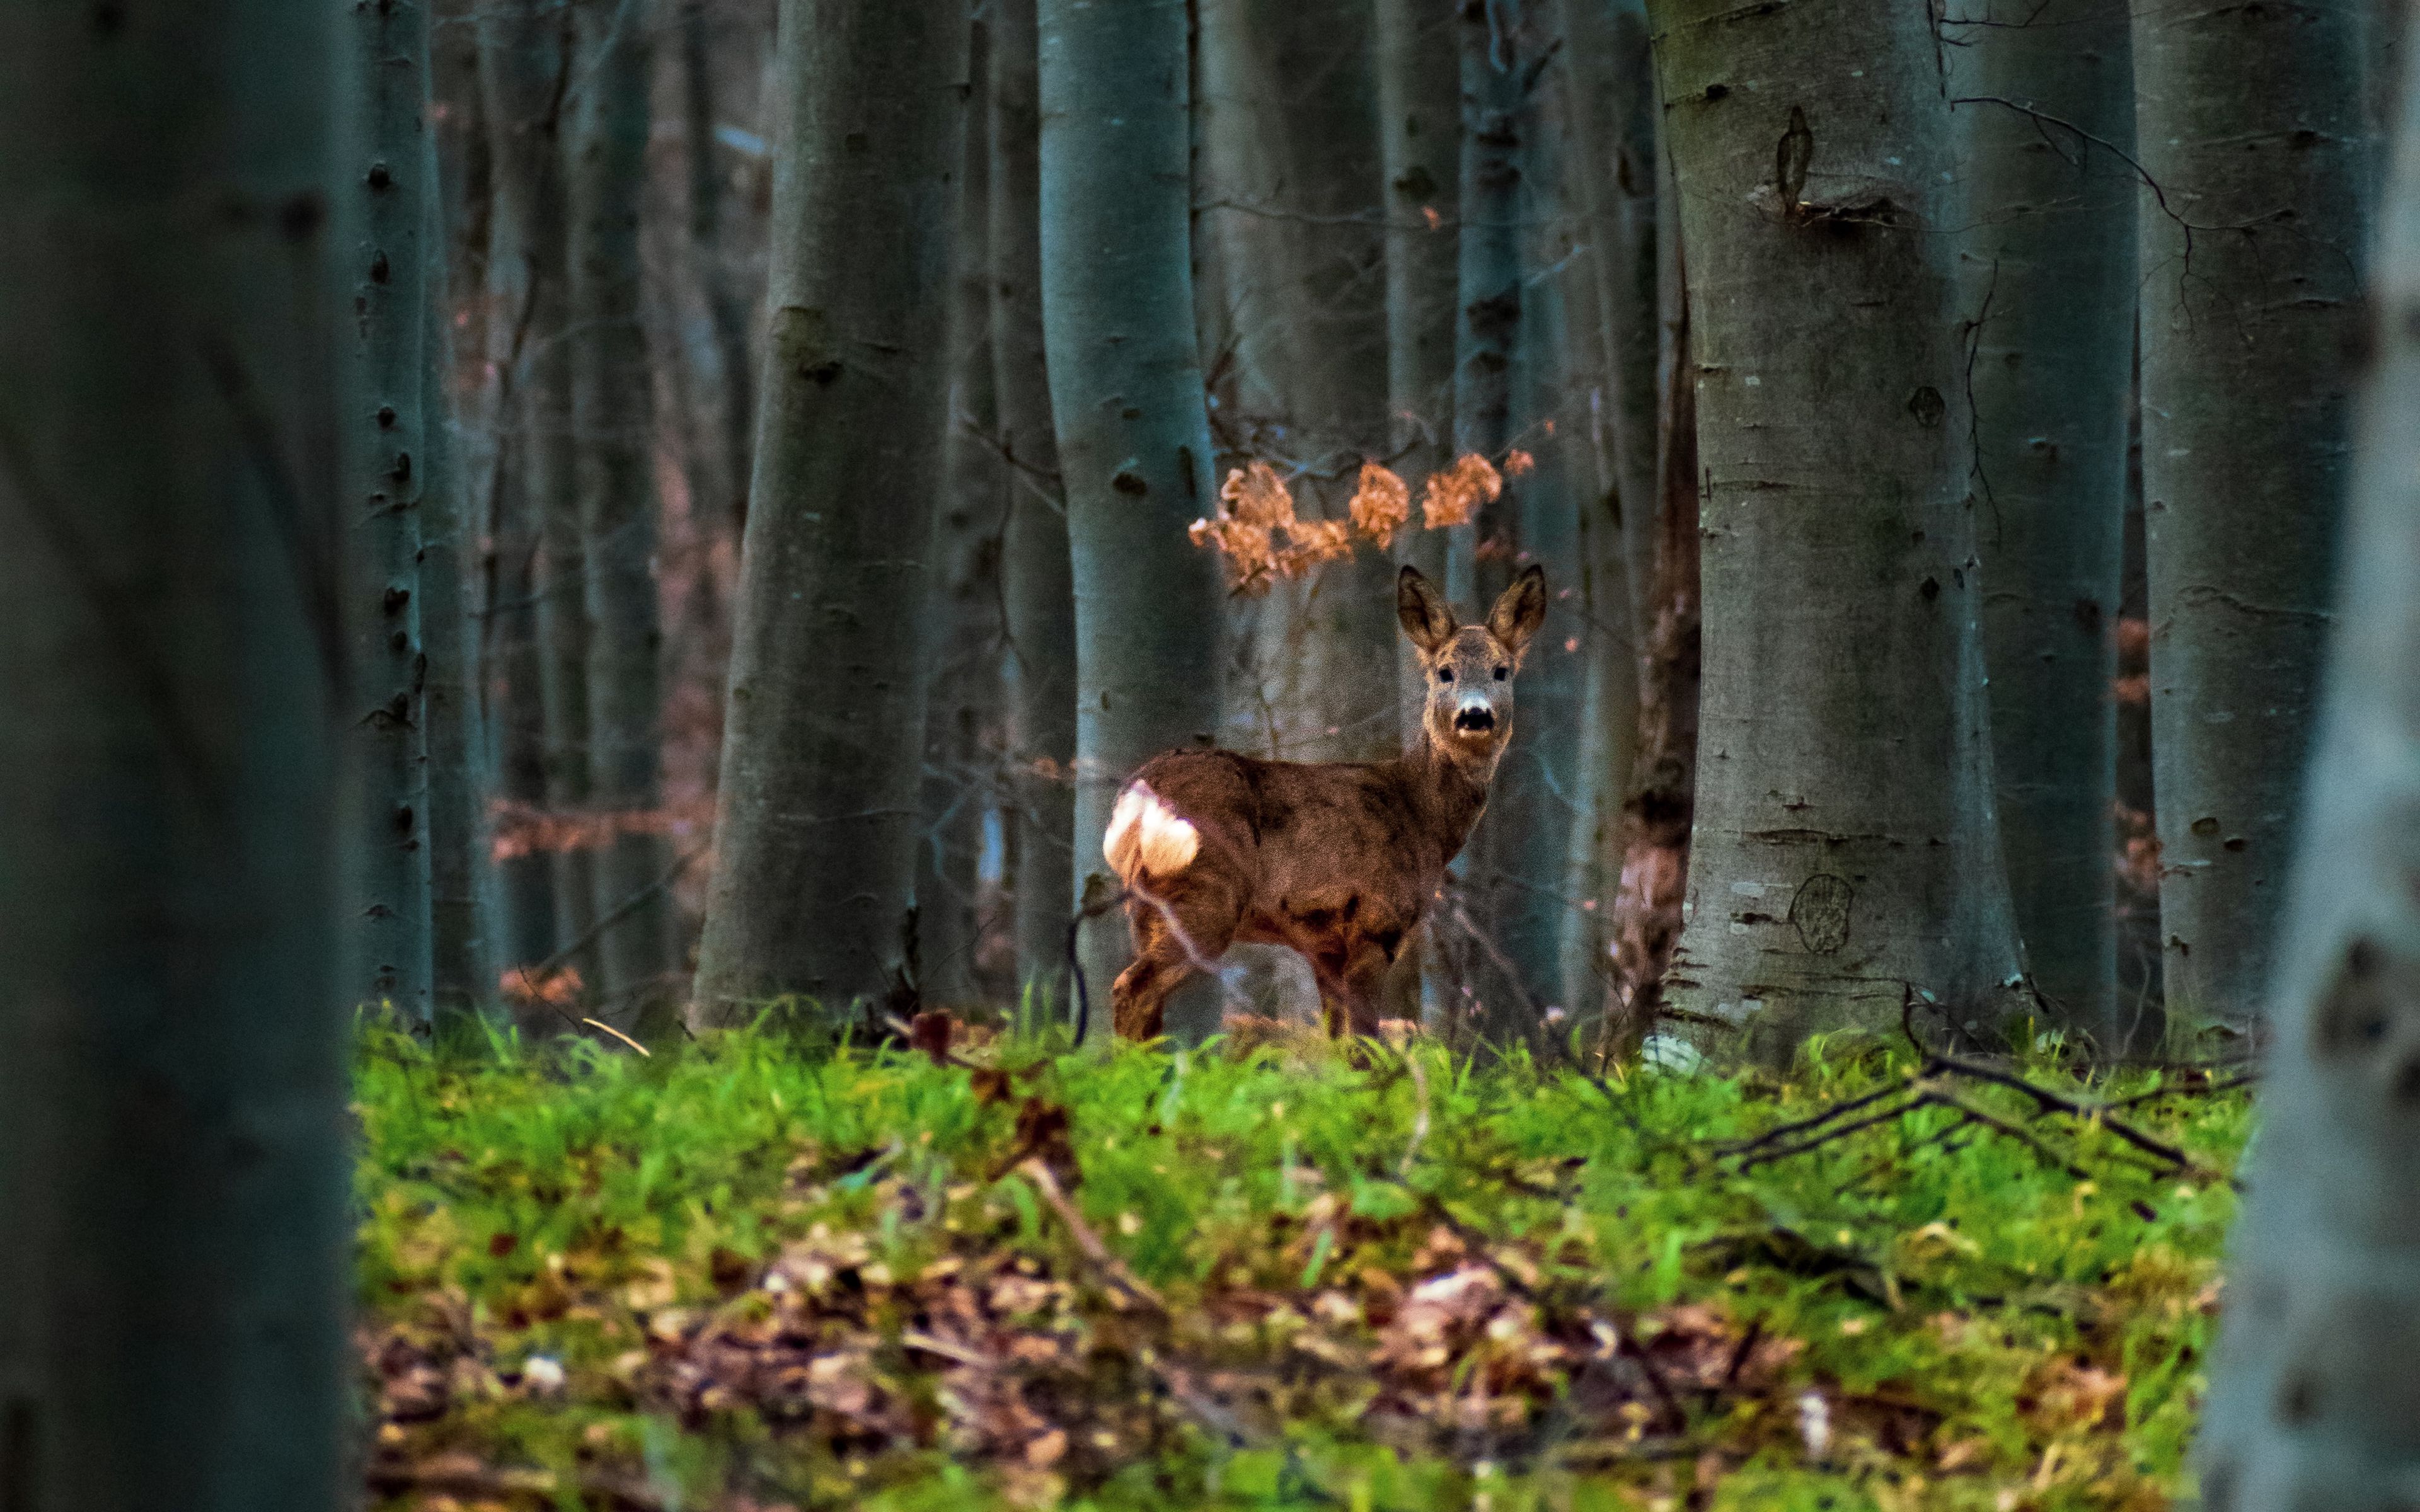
(1262, 539)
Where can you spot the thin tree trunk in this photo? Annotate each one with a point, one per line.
(961, 718)
(1420, 143)
(2251, 120)
(815, 838)
(611, 418)
(1040, 600)
(2309, 1404)
(1844, 850)
(726, 312)
(174, 1162)
(390, 166)
(1487, 321)
(1613, 123)
(1125, 391)
(2047, 264)
(525, 69)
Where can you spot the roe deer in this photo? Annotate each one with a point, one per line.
(1337, 859)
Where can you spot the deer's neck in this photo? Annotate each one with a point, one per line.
(1453, 789)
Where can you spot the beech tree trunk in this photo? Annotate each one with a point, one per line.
(526, 73)
(1420, 144)
(962, 715)
(1125, 393)
(2251, 121)
(390, 167)
(611, 419)
(174, 1162)
(2044, 111)
(2311, 1396)
(1039, 598)
(1845, 851)
(733, 381)
(816, 838)
(1487, 319)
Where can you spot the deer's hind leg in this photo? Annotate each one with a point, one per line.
(1189, 926)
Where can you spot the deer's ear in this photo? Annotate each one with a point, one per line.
(1428, 619)
(1518, 615)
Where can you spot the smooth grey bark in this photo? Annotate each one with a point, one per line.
(1612, 107)
(525, 74)
(815, 838)
(462, 899)
(1127, 396)
(1420, 146)
(174, 1162)
(611, 421)
(1845, 851)
(388, 172)
(2313, 1396)
(2251, 121)
(1487, 316)
(735, 379)
(962, 715)
(2047, 272)
(1039, 598)
(1288, 163)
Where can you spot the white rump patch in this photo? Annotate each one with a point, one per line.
(1147, 838)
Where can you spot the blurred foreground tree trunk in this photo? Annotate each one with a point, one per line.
(1844, 848)
(611, 408)
(2045, 115)
(2311, 1404)
(2251, 120)
(1034, 566)
(174, 1169)
(1126, 395)
(389, 169)
(816, 837)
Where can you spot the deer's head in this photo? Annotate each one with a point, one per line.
(1469, 668)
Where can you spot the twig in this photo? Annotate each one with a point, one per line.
(1125, 1281)
(600, 1024)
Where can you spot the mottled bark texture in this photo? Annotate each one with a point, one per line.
(2251, 123)
(1844, 850)
(2043, 105)
(611, 416)
(526, 78)
(2313, 1402)
(173, 1167)
(1419, 146)
(1126, 392)
(388, 169)
(962, 715)
(1034, 564)
(815, 840)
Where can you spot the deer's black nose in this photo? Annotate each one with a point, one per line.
(1475, 717)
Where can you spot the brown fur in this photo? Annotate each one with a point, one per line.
(1337, 860)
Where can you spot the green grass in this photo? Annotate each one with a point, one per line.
(755, 1277)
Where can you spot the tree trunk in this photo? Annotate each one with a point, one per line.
(1040, 601)
(962, 718)
(1420, 144)
(611, 413)
(1487, 320)
(174, 1161)
(389, 168)
(816, 838)
(1844, 851)
(2251, 123)
(724, 510)
(1126, 392)
(2047, 264)
(2311, 1404)
(526, 71)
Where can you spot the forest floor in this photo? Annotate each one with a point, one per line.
(744, 1278)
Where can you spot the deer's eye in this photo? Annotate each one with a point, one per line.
(1503, 673)
(1445, 675)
